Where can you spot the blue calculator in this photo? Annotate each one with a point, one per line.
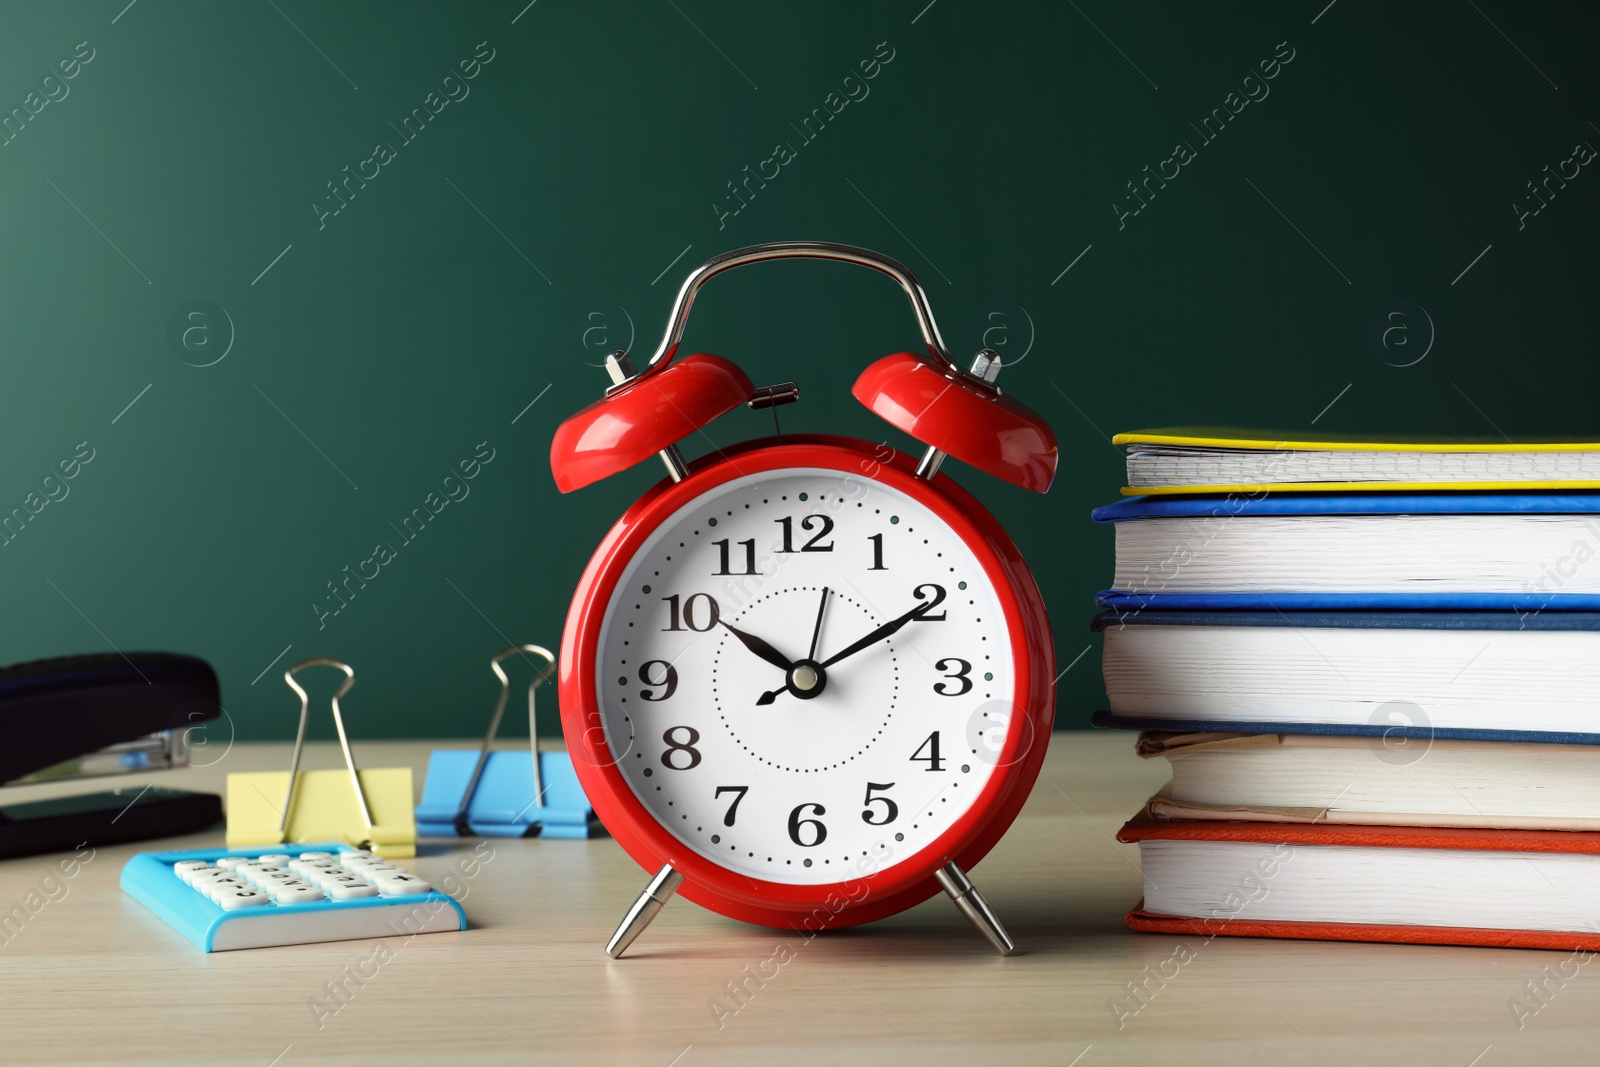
(225, 899)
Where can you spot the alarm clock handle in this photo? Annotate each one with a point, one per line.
(839, 253)
(985, 368)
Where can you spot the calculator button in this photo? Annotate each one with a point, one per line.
(188, 865)
(400, 885)
(228, 863)
(367, 870)
(276, 859)
(298, 893)
(189, 871)
(327, 878)
(243, 897)
(303, 867)
(218, 888)
(353, 889)
(353, 855)
(265, 880)
(276, 886)
(316, 855)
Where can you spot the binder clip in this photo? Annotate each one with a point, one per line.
(367, 809)
(506, 794)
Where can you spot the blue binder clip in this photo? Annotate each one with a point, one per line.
(505, 794)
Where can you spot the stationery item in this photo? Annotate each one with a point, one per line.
(1500, 888)
(98, 715)
(368, 809)
(1213, 460)
(224, 899)
(505, 794)
(1496, 676)
(1376, 780)
(135, 813)
(1516, 551)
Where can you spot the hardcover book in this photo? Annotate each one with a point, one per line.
(1441, 886)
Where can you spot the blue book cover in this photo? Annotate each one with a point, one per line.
(1290, 504)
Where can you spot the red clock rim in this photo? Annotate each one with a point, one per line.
(907, 880)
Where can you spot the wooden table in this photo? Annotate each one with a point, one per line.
(94, 978)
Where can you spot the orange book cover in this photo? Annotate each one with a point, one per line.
(1142, 827)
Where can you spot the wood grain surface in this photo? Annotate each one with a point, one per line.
(94, 978)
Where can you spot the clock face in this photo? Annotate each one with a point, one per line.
(805, 675)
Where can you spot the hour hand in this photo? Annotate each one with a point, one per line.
(759, 647)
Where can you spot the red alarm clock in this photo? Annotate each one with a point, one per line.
(808, 681)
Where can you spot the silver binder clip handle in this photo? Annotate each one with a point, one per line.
(300, 739)
(539, 679)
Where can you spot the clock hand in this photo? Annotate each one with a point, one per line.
(759, 647)
(817, 669)
(805, 681)
(810, 658)
(878, 635)
(807, 671)
(816, 631)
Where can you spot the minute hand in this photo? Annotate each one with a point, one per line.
(877, 635)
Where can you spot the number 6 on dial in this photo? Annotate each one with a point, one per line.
(815, 618)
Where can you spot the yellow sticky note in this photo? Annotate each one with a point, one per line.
(324, 809)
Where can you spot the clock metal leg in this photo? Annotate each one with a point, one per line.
(954, 881)
(645, 909)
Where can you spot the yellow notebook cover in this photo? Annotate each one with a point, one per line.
(1233, 438)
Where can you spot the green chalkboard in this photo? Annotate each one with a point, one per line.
(277, 274)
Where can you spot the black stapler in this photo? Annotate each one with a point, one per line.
(89, 716)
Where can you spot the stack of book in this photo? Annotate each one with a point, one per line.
(1374, 668)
